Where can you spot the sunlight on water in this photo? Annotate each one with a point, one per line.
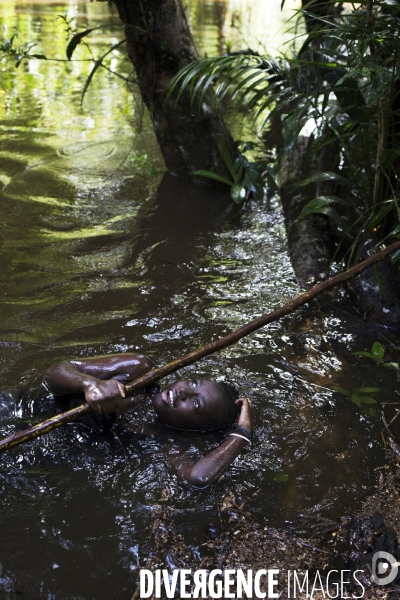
(241, 24)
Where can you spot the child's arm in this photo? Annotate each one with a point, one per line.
(208, 468)
(99, 379)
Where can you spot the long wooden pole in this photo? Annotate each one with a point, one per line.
(228, 340)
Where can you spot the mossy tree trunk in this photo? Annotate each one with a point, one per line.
(159, 45)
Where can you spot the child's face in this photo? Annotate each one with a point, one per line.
(190, 404)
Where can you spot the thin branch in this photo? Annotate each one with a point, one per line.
(46, 426)
(119, 75)
(393, 439)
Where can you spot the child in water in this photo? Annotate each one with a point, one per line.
(199, 405)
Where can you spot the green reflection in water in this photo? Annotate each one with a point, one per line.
(76, 181)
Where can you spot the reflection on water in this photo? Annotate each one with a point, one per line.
(234, 25)
(101, 253)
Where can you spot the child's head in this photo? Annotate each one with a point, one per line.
(198, 404)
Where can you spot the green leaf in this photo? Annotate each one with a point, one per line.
(8, 43)
(351, 99)
(215, 176)
(98, 64)
(76, 40)
(281, 477)
(368, 390)
(369, 410)
(381, 214)
(331, 213)
(396, 234)
(381, 289)
(333, 199)
(341, 390)
(367, 400)
(239, 171)
(361, 353)
(326, 176)
(355, 399)
(203, 84)
(316, 204)
(392, 365)
(376, 354)
(378, 351)
(238, 193)
(254, 182)
(226, 156)
(88, 81)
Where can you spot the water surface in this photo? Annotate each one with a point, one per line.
(102, 252)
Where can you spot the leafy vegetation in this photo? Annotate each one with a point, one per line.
(362, 395)
(357, 395)
(246, 180)
(342, 87)
(377, 352)
(12, 49)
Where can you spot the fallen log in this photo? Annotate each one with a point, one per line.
(228, 340)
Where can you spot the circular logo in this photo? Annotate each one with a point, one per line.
(388, 567)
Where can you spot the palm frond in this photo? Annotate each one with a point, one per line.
(344, 85)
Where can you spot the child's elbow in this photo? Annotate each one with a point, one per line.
(198, 480)
(195, 474)
(52, 375)
(48, 377)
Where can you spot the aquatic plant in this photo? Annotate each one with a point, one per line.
(377, 352)
(361, 395)
(357, 395)
(342, 88)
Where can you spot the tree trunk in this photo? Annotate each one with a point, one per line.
(317, 10)
(308, 240)
(311, 243)
(159, 45)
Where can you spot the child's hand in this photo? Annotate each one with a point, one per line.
(246, 417)
(105, 396)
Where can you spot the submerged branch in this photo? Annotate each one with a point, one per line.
(66, 417)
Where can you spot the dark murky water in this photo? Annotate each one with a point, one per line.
(103, 253)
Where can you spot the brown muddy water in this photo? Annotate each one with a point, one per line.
(102, 252)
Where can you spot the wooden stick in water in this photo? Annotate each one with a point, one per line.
(66, 417)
